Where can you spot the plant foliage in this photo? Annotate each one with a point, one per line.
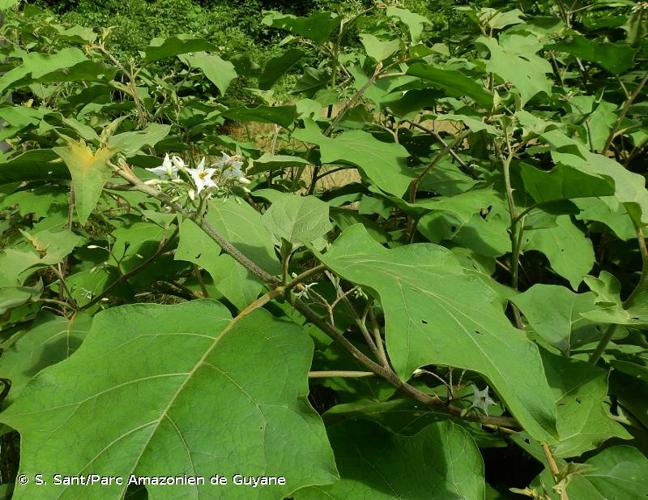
(420, 273)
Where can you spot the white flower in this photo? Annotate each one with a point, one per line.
(230, 167)
(202, 176)
(481, 399)
(178, 162)
(639, 6)
(168, 169)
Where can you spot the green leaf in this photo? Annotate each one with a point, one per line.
(437, 314)
(317, 27)
(157, 390)
(498, 20)
(569, 251)
(614, 57)
(39, 65)
(415, 22)
(453, 82)
(13, 263)
(514, 60)
(129, 143)
(473, 123)
(440, 462)
(298, 219)
(598, 117)
(269, 161)
(8, 4)
(613, 310)
(281, 115)
(617, 473)
(217, 70)
(89, 171)
(11, 297)
(584, 422)
(35, 164)
(276, 67)
(161, 48)
(43, 247)
(377, 49)
(630, 187)
(607, 210)
(235, 282)
(242, 226)
(554, 312)
(53, 245)
(49, 340)
(563, 183)
(384, 163)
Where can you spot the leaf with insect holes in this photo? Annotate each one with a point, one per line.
(436, 313)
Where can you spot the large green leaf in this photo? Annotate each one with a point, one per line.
(437, 314)
(175, 390)
(15, 296)
(569, 251)
(378, 49)
(415, 22)
(276, 67)
(129, 143)
(584, 422)
(217, 70)
(50, 340)
(616, 473)
(563, 183)
(513, 59)
(161, 48)
(607, 210)
(34, 164)
(235, 282)
(629, 187)
(440, 462)
(243, 226)
(281, 115)
(39, 65)
(554, 312)
(614, 57)
(453, 82)
(298, 219)
(317, 27)
(384, 163)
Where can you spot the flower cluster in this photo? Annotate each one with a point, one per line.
(640, 6)
(226, 170)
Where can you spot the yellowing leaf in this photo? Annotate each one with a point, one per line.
(89, 171)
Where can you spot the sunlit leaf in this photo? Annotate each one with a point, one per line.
(176, 406)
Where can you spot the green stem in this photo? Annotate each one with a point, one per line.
(624, 111)
(277, 290)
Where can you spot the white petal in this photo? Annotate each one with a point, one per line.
(166, 163)
(159, 171)
(178, 162)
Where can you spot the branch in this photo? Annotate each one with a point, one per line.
(624, 111)
(126, 276)
(277, 290)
